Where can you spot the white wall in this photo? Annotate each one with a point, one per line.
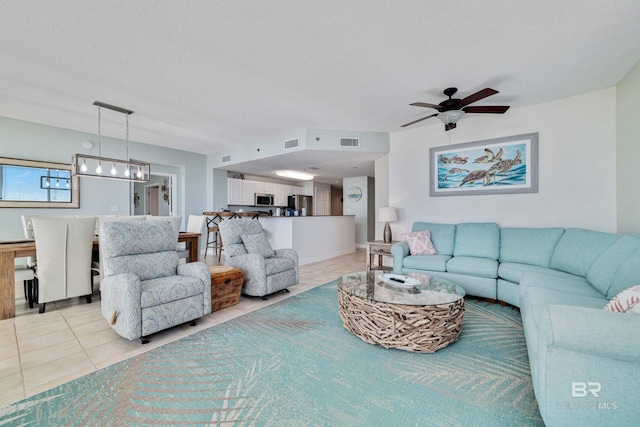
(628, 151)
(577, 167)
(362, 209)
(382, 194)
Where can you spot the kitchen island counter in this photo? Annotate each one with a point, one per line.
(315, 238)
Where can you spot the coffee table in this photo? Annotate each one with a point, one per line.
(421, 318)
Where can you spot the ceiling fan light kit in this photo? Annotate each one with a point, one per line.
(451, 116)
(451, 110)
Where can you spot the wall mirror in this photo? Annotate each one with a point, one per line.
(35, 184)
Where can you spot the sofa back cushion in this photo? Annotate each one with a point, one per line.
(532, 246)
(480, 239)
(605, 269)
(442, 235)
(627, 275)
(145, 248)
(578, 249)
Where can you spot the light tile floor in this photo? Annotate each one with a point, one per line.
(72, 339)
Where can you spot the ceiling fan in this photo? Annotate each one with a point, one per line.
(451, 110)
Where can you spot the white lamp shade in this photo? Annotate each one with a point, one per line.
(387, 214)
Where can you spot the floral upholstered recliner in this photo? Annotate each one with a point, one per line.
(144, 290)
(265, 270)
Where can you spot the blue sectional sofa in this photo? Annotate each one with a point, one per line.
(585, 361)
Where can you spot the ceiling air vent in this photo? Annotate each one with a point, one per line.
(226, 159)
(292, 143)
(350, 142)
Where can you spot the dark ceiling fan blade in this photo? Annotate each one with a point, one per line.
(449, 126)
(495, 109)
(478, 96)
(424, 104)
(419, 120)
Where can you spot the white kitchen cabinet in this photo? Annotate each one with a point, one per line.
(248, 191)
(234, 191)
(241, 191)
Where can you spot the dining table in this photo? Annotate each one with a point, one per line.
(19, 248)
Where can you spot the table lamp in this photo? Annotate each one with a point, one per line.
(387, 215)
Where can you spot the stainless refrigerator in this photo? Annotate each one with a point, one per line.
(302, 204)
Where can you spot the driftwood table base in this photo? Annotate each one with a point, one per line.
(413, 328)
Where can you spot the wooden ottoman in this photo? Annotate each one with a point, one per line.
(226, 286)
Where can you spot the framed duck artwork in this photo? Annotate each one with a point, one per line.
(505, 165)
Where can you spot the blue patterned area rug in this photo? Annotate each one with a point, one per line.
(293, 364)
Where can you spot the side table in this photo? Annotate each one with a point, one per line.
(380, 248)
(226, 286)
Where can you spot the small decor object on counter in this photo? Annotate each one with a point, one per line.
(226, 286)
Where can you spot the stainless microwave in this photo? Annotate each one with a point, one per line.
(263, 199)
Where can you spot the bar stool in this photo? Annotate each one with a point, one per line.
(214, 240)
(213, 235)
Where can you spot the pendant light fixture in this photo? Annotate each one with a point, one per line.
(126, 170)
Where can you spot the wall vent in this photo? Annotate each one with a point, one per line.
(226, 159)
(350, 142)
(292, 143)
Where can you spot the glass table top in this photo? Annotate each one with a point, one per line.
(430, 291)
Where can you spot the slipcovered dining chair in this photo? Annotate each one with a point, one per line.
(143, 289)
(63, 248)
(27, 229)
(265, 270)
(24, 274)
(194, 225)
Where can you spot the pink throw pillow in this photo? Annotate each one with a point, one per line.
(419, 243)
(627, 301)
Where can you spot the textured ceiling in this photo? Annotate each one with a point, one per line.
(206, 75)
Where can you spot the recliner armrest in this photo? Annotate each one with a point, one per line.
(287, 253)
(121, 303)
(199, 270)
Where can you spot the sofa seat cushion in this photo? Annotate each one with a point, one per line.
(575, 285)
(278, 265)
(427, 262)
(164, 290)
(546, 296)
(472, 266)
(513, 271)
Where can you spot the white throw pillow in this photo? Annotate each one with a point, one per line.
(627, 301)
(419, 243)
